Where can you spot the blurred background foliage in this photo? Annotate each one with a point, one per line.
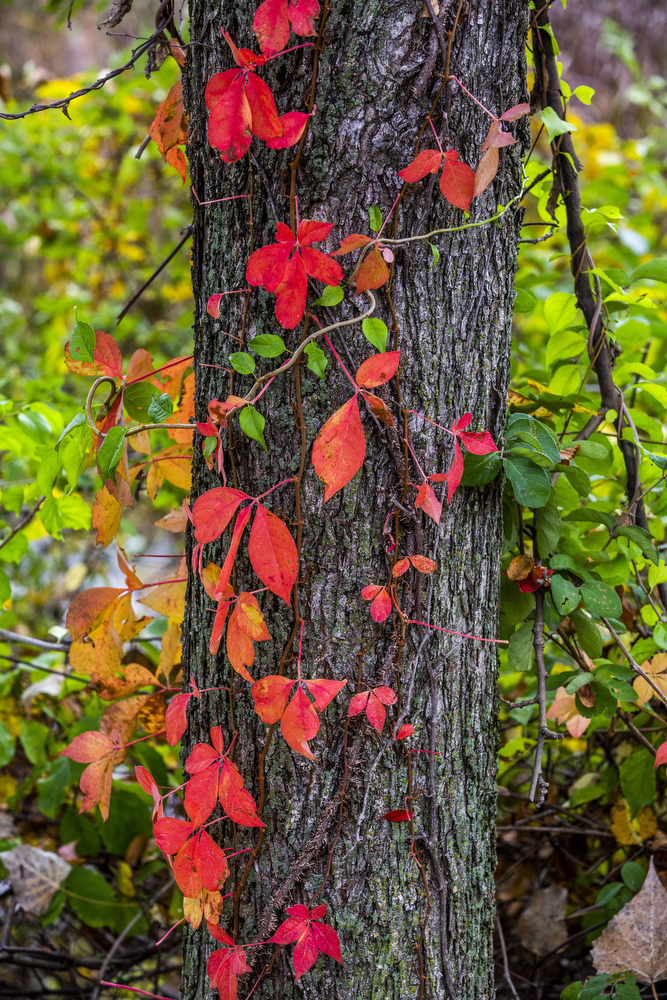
(83, 224)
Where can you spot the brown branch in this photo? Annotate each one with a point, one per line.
(23, 523)
(137, 295)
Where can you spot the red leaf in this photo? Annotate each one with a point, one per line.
(386, 695)
(401, 567)
(211, 863)
(250, 618)
(291, 293)
(397, 816)
(185, 870)
(273, 553)
(218, 933)
(318, 911)
(243, 57)
(352, 242)
(661, 755)
(271, 26)
(455, 473)
(426, 162)
(267, 265)
(302, 14)
(176, 719)
(457, 181)
(270, 695)
(518, 111)
(305, 953)
(213, 305)
(219, 623)
(223, 967)
(326, 938)
(381, 606)
(312, 231)
(107, 356)
(427, 500)
(487, 170)
(201, 758)
(265, 121)
(371, 591)
(284, 233)
(234, 799)
(422, 564)
(339, 449)
(170, 834)
(358, 703)
(213, 511)
(299, 723)
(375, 712)
(201, 793)
(372, 703)
(378, 369)
(324, 691)
(292, 928)
(293, 123)
(407, 729)
(218, 85)
(319, 265)
(479, 443)
(242, 519)
(230, 121)
(373, 273)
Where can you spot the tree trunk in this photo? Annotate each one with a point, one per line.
(413, 903)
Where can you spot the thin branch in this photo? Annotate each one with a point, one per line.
(23, 523)
(506, 966)
(26, 640)
(137, 295)
(64, 103)
(633, 663)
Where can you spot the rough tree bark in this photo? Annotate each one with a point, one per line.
(408, 929)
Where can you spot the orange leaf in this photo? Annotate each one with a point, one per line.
(487, 170)
(352, 242)
(457, 181)
(131, 578)
(176, 465)
(379, 409)
(323, 691)
(270, 695)
(401, 567)
(106, 516)
(240, 649)
(422, 564)
(339, 449)
(273, 553)
(426, 162)
(167, 122)
(373, 272)
(234, 799)
(241, 520)
(250, 618)
(176, 520)
(88, 608)
(184, 410)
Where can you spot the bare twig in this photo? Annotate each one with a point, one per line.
(23, 523)
(26, 640)
(506, 966)
(633, 663)
(137, 295)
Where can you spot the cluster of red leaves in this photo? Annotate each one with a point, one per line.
(283, 268)
(272, 21)
(372, 703)
(241, 105)
(299, 721)
(458, 183)
(381, 598)
(312, 936)
(478, 443)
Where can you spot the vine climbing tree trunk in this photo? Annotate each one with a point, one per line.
(412, 902)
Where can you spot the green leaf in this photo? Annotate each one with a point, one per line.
(110, 453)
(566, 344)
(588, 634)
(560, 311)
(52, 791)
(51, 519)
(638, 780)
(74, 512)
(653, 269)
(642, 539)
(129, 817)
(375, 331)
(601, 599)
(317, 359)
(14, 550)
(89, 895)
(375, 217)
(548, 529)
(436, 258)
(5, 590)
(627, 990)
(137, 399)
(572, 991)
(531, 484)
(584, 94)
(633, 875)
(267, 345)
(252, 423)
(514, 604)
(607, 893)
(565, 595)
(478, 470)
(76, 421)
(33, 737)
(82, 342)
(6, 745)
(331, 296)
(554, 125)
(591, 515)
(594, 987)
(56, 905)
(79, 828)
(242, 363)
(160, 407)
(520, 649)
(525, 301)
